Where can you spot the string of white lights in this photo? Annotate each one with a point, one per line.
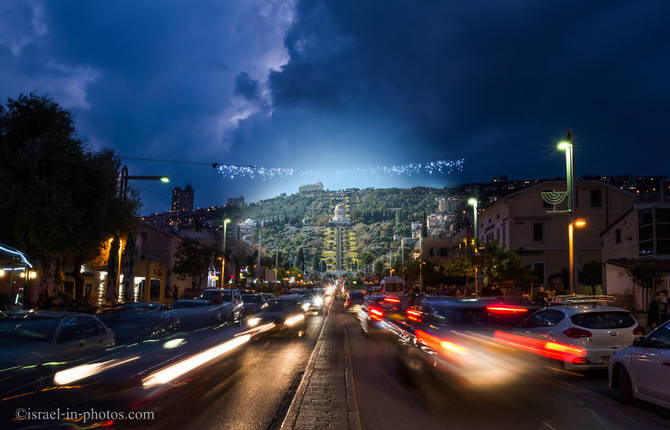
(439, 167)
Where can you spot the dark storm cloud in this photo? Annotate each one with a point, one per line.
(336, 84)
(247, 87)
(483, 79)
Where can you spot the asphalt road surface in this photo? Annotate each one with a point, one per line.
(255, 389)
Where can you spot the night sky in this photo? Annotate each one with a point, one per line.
(349, 83)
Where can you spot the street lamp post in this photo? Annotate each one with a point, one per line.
(567, 146)
(223, 260)
(473, 202)
(123, 195)
(402, 258)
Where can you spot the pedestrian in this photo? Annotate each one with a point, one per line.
(542, 298)
(658, 310)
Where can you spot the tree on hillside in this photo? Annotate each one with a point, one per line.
(59, 200)
(193, 260)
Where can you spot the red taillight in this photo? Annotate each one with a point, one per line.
(391, 300)
(576, 333)
(376, 313)
(639, 331)
(555, 350)
(346, 304)
(413, 315)
(506, 309)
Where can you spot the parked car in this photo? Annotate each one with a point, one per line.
(286, 313)
(253, 303)
(583, 331)
(135, 322)
(642, 370)
(30, 337)
(195, 314)
(231, 296)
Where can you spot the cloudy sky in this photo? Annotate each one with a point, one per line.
(328, 85)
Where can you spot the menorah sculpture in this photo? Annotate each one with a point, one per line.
(555, 198)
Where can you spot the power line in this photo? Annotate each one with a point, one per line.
(200, 163)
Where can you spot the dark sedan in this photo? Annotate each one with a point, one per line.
(283, 317)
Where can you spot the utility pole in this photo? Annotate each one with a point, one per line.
(258, 267)
(391, 261)
(402, 258)
(223, 259)
(276, 266)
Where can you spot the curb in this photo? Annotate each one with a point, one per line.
(352, 398)
(292, 414)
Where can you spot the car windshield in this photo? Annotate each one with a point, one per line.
(603, 320)
(251, 298)
(33, 329)
(283, 305)
(185, 305)
(356, 295)
(216, 296)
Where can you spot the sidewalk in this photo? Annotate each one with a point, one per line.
(325, 398)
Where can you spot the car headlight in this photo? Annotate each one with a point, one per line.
(305, 306)
(318, 301)
(294, 319)
(253, 322)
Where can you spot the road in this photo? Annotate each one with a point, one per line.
(391, 397)
(296, 383)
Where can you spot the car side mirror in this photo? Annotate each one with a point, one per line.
(640, 342)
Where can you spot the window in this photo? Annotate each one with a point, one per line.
(535, 320)
(538, 270)
(155, 289)
(69, 331)
(603, 320)
(538, 231)
(553, 317)
(660, 338)
(646, 231)
(89, 327)
(596, 198)
(617, 235)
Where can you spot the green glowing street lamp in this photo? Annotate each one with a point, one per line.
(567, 146)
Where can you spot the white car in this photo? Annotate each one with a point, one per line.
(642, 370)
(581, 335)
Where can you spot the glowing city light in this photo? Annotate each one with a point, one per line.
(439, 167)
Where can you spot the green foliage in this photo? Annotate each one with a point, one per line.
(645, 274)
(505, 265)
(59, 200)
(193, 260)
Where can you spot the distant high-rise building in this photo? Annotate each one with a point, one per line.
(236, 201)
(182, 200)
(310, 188)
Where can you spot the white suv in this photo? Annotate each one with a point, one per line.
(642, 370)
(585, 328)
